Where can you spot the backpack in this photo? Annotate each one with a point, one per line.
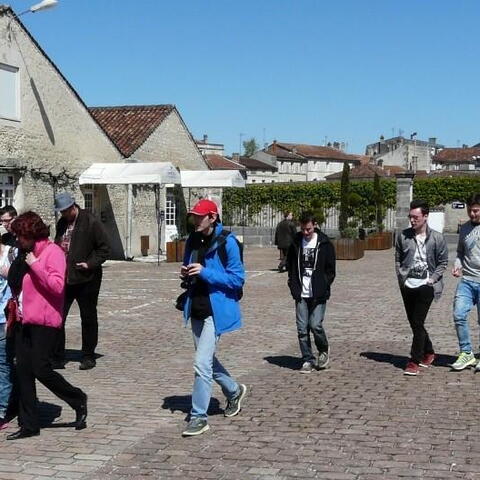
(222, 253)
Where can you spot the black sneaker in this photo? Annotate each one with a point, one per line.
(58, 364)
(196, 426)
(234, 405)
(87, 364)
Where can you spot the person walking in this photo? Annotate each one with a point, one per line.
(311, 272)
(284, 235)
(84, 241)
(467, 268)
(6, 348)
(421, 257)
(214, 272)
(37, 279)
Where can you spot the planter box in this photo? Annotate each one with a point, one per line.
(175, 251)
(379, 241)
(349, 248)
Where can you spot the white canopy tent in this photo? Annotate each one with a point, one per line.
(156, 173)
(211, 178)
(130, 174)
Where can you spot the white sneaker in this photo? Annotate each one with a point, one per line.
(463, 361)
(307, 367)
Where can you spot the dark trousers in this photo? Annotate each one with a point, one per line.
(86, 295)
(417, 302)
(33, 348)
(283, 259)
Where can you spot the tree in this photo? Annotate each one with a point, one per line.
(379, 203)
(250, 147)
(344, 199)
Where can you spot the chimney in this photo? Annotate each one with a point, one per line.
(236, 157)
(432, 140)
(464, 145)
(205, 138)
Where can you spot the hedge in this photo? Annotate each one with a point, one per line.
(296, 197)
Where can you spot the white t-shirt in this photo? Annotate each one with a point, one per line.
(308, 261)
(418, 274)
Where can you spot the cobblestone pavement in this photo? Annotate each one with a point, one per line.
(359, 419)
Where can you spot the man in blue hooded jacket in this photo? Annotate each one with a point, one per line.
(214, 272)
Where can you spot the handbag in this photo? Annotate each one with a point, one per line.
(181, 299)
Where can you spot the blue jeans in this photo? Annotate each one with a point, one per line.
(310, 319)
(207, 368)
(6, 359)
(466, 296)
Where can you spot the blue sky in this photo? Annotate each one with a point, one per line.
(291, 70)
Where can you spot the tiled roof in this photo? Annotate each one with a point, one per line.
(218, 162)
(129, 126)
(457, 155)
(254, 164)
(301, 151)
(367, 172)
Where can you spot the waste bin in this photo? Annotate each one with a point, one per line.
(144, 244)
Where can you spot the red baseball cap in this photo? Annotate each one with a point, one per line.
(204, 207)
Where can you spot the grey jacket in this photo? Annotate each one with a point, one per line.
(437, 257)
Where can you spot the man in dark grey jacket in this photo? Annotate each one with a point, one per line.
(421, 257)
(84, 241)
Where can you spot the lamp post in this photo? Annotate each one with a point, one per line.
(38, 7)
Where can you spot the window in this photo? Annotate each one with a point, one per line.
(9, 97)
(170, 208)
(7, 189)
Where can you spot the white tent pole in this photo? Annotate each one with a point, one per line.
(128, 242)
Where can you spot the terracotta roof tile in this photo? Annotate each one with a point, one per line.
(364, 172)
(218, 162)
(302, 151)
(254, 164)
(457, 155)
(129, 126)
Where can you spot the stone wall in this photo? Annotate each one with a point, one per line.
(171, 142)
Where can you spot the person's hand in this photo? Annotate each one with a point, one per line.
(30, 259)
(183, 271)
(429, 281)
(194, 269)
(81, 265)
(457, 271)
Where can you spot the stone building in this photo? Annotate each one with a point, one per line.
(48, 137)
(463, 159)
(410, 154)
(297, 162)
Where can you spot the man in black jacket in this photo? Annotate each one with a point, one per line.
(311, 271)
(284, 234)
(84, 241)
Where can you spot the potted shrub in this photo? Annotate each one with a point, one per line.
(348, 246)
(175, 249)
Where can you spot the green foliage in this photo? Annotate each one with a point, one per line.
(439, 191)
(250, 147)
(298, 197)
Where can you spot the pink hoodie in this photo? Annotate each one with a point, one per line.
(44, 285)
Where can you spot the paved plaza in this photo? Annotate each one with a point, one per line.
(359, 419)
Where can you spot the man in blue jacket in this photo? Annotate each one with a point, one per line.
(214, 272)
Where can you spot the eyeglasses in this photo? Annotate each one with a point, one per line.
(6, 220)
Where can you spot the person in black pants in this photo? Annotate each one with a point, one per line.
(37, 281)
(421, 257)
(84, 241)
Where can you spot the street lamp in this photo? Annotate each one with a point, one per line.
(43, 5)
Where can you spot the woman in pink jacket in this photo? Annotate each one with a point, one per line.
(37, 280)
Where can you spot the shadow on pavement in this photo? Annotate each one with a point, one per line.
(48, 413)
(183, 403)
(285, 361)
(399, 361)
(72, 355)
